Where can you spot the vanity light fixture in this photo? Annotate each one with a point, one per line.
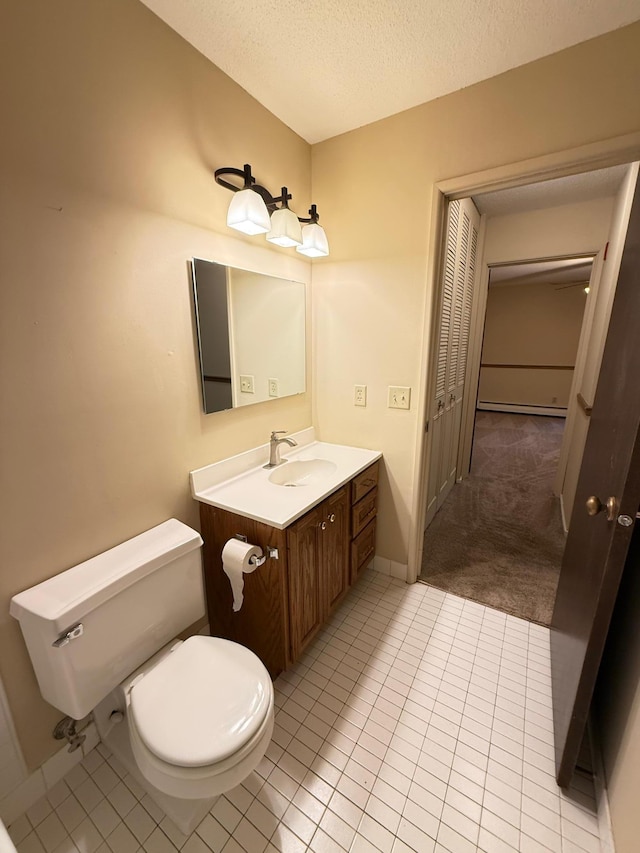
(314, 240)
(253, 210)
(285, 225)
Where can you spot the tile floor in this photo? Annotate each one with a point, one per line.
(416, 722)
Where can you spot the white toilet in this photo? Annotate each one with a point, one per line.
(189, 719)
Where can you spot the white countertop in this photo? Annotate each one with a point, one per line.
(249, 492)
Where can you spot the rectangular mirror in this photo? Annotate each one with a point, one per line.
(251, 335)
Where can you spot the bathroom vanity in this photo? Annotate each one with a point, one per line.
(314, 516)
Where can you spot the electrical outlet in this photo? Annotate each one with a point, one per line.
(273, 388)
(359, 395)
(399, 397)
(246, 384)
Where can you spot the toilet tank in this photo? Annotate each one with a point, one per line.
(129, 602)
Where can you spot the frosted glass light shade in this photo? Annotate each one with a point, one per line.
(285, 228)
(248, 213)
(314, 241)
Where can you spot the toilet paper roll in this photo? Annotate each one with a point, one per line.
(238, 559)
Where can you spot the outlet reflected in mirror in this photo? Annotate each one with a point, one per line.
(251, 335)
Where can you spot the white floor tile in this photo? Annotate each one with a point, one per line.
(417, 722)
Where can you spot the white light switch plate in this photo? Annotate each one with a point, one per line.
(399, 397)
(246, 384)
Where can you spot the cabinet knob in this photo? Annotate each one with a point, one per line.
(332, 517)
(323, 525)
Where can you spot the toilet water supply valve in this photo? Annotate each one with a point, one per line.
(66, 730)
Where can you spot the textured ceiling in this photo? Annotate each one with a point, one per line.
(328, 66)
(575, 188)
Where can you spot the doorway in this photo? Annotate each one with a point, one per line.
(499, 538)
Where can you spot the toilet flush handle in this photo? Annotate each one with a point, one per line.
(71, 634)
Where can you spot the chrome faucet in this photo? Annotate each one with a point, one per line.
(274, 444)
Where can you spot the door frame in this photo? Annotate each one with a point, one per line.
(475, 357)
(598, 155)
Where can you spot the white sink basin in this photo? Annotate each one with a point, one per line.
(303, 472)
(241, 484)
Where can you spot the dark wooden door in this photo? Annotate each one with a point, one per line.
(305, 582)
(597, 547)
(334, 548)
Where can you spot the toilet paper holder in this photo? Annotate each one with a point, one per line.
(259, 561)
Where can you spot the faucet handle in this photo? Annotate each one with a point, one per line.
(276, 432)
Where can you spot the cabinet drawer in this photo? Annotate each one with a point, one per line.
(363, 548)
(364, 482)
(363, 512)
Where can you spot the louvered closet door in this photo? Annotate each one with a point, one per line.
(436, 414)
(459, 342)
(452, 346)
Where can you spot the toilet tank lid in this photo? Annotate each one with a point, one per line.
(67, 597)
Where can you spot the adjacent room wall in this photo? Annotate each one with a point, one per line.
(536, 324)
(566, 229)
(112, 127)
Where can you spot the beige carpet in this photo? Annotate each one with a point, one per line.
(498, 538)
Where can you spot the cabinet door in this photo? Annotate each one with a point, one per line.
(334, 548)
(261, 624)
(305, 583)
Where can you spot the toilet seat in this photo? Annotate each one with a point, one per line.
(176, 765)
(202, 703)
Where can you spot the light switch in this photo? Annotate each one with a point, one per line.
(399, 397)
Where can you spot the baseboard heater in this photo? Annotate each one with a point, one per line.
(522, 409)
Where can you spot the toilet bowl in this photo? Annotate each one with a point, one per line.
(200, 718)
(188, 719)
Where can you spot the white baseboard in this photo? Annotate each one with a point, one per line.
(605, 827)
(517, 409)
(390, 567)
(45, 777)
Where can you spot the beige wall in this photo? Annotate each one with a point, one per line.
(112, 127)
(530, 324)
(375, 186)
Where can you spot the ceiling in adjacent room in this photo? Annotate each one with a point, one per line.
(568, 272)
(585, 186)
(327, 66)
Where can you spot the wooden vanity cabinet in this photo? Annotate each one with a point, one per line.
(262, 623)
(364, 509)
(318, 567)
(287, 600)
